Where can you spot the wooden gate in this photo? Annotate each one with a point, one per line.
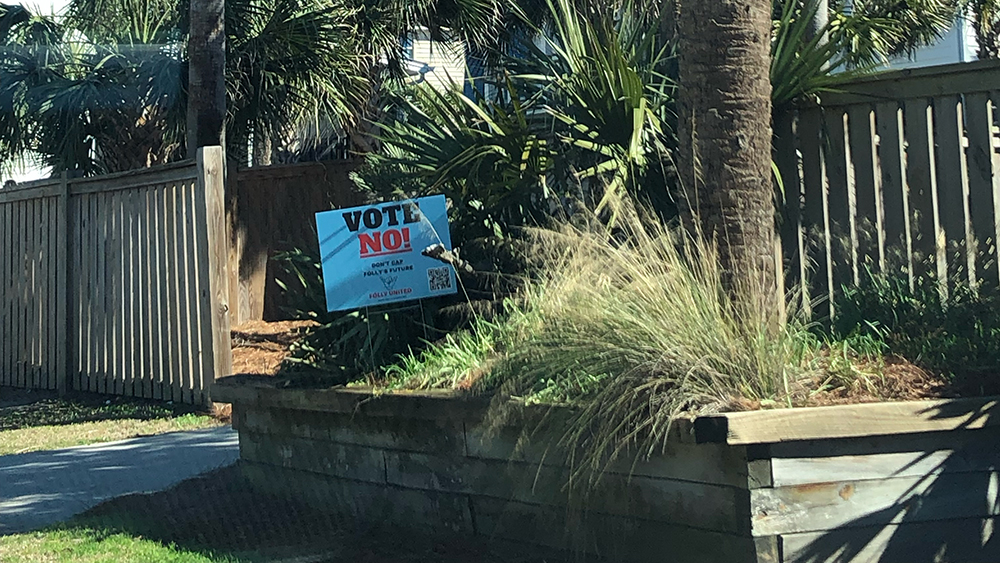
(117, 284)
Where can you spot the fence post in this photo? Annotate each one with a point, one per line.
(64, 280)
(211, 194)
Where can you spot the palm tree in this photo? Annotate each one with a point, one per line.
(293, 70)
(725, 134)
(593, 103)
(726, 101)
(88, 106)
(986, 20)
(206, 107)
(585, 113)
(107, 88)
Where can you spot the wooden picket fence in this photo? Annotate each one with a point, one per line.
(117, 284)
(898, 172)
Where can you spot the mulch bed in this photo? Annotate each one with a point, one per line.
(259, 347)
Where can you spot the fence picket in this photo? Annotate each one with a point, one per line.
(983, 183)
(20, 332)
(15, 289)
(889, 125)
(144, 386)
(174, 323)
(161, 349)
(89, 335)
(5, 291)
(115, 258)
(136, 288)
(31, 301)
(814, 220)
(47, 359)
(842, 241)
(186, 291)
(36, 301)
(27, 242)
(920, 178)
(8, 296)
(64, 318)
(41, 306)
(791, 220)
(199, 348)
(99, 384)
(952, 184)
(867, 224)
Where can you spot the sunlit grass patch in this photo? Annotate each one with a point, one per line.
(86, 545)
(52, 437)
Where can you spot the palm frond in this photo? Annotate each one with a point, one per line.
(804, 65)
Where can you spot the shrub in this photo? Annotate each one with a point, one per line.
(632, 327)
(347, 345)
(958, 336)
(355, 345)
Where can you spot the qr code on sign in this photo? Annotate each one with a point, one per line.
(439, 278)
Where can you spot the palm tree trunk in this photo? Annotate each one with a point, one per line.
(263, 150)
(725, 134)
(987, 28)
(206, 114)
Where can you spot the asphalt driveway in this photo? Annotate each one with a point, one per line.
(41, 488)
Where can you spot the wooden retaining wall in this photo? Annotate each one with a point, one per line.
(116, 284)
(885, 483)
(423, 463)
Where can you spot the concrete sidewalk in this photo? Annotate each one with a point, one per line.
(41, 488)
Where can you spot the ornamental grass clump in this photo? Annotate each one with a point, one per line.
(632, 326)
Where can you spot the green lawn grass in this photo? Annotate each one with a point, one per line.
(85, 545)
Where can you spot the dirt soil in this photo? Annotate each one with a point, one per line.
(220, 512)
(893, 379)
(259, 347)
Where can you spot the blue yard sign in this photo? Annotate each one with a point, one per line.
(372, 254)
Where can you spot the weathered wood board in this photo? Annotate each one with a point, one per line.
(847, 421)
(105, 282)
(697, 505)
(969, 540)
(806, 498)
(829, 505)
(801, 471)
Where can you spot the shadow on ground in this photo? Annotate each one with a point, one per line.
(219, 512)
(24, 408)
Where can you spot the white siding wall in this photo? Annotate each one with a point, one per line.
(446, 59)
(957, 46)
